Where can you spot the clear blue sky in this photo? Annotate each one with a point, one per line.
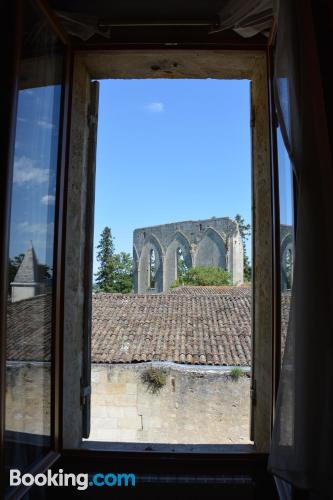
(171, 150)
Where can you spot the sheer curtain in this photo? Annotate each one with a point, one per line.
(302, 443)
(246, 17)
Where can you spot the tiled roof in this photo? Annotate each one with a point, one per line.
(235, 291)
(194, 325)
(29, 329)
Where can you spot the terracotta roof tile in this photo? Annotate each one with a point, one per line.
(195, 325)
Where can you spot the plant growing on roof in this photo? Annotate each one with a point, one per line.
(154, 379)
(236, 373)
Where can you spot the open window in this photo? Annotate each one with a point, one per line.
(33, 267)
(150, 267)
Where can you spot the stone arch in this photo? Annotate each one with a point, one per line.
(211, 250)
(286, 258)
(179, 240)
(152, 243)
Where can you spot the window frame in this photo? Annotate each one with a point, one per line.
(53, 454)
(59, 447)
(96, 64)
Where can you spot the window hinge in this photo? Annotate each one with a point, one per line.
(253, 392)
(253, 117)
(85, 393)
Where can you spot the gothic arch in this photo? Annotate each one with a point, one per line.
(179, 240)
(211, 250)
(152, 243)
(286, 250)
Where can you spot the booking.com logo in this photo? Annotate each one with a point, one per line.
(80, 481)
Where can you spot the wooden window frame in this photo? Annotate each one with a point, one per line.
(96, 64)
(17, 20)
(59, 446)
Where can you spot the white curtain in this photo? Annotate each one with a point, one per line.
(246, 17)
(302, 443)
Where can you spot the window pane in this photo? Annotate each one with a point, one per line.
(31, 247)
(286, 234)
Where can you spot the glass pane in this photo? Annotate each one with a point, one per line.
(286, 234)
(31, 248)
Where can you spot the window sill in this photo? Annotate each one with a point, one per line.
(176, 449)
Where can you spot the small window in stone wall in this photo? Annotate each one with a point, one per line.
(152, 268)
(181, 264)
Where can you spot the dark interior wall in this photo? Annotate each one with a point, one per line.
(323, 19)
(145, 9)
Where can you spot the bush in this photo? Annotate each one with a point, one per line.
(203, 276)
(236, 373)
(154, 379)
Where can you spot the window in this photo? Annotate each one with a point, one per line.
(254, 67)
(31, 266)
(179, 367)
(181, 264)
(152, 268)
(286, 203)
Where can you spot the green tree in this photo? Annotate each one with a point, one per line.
(203, 276)
(105, 273)
(123, 269)
(245, 232)
(114, 274)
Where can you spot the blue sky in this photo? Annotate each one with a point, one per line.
(34, 175)
(285, 182)
(171, 150)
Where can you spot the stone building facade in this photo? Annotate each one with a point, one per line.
(27, 282)
(212, 242)
(286, 256)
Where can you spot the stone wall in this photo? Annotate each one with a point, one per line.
(197, 405)
(28, 397)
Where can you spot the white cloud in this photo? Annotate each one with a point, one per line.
(155, 107)
(25, 171)
(45, 124)
(35, 229)
(48, 199)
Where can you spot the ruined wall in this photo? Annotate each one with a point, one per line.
(197, 405)
(286, 255)
(211, 242)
